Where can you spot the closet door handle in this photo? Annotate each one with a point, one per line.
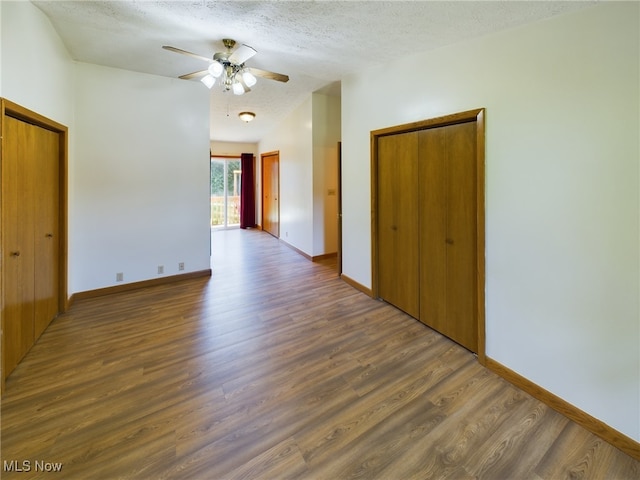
(449, 241)
(15, 254)
(49, 235)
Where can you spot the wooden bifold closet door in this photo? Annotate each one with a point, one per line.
(31, 247)
(427, 227)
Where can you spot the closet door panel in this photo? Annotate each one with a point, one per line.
(462, 323)
(433, 228)
(397, 222)
(448, 232)
(46, 228)
(18, 210)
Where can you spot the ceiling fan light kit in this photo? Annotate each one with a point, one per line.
(230, 69)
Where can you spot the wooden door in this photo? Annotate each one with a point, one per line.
(46, 228)
(398, 220)
(448, 232)
(18, 209)
(271, 193)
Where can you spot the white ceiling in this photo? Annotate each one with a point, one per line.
(316, 43)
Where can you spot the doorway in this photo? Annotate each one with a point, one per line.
(271, 193)
(226, 175)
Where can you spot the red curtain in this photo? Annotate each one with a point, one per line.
(247, 192)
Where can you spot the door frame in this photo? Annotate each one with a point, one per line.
(339, 249)
(11, 109)
(476, 115)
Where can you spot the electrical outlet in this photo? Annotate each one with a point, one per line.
(160, 269)
(181, 266)
(119, 277)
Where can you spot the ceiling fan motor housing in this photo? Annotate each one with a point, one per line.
(222, 57)
(228, 43)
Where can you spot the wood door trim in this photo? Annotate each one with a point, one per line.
(11, 109)
(461, 117)
(477, 116)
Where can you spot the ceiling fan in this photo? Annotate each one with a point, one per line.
(228, 68)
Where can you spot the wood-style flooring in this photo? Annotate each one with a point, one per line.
(274, 368)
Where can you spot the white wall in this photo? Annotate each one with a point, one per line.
(326, 135)
(293, 138)
(562, 193)
(138, 155)
(37, 71)
(142, 177)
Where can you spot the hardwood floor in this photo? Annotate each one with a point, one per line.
(274, 368)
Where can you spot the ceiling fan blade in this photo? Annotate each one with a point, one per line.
(270, 75)
(189, 76)
(242, 54)
(184, 52)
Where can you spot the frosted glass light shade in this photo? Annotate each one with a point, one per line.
(249, 78)
(215, 69)
(238, 89)
(208, 80)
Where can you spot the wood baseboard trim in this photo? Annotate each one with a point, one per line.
(297, 250)
(136, 285)
(356, 285)
(595, 426)
(325, 256)
(312, 258)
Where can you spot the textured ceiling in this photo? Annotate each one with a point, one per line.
(316, 43)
